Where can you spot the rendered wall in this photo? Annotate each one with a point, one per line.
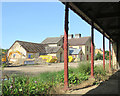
(15, 56)
(116, 55)
(52, 45)
(88, 52)
(17, 47)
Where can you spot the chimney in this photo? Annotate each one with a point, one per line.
(70, 36)
(77, 35)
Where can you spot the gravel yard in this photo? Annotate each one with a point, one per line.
(34, 69)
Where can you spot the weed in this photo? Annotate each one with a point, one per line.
(43, 83)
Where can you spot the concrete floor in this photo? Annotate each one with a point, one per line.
(111, 87)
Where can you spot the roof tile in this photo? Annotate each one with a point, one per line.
(78, 41)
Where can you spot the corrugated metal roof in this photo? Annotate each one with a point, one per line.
(74, 51)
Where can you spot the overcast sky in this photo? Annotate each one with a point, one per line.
(33, 22)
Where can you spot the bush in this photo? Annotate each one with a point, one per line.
(99, 70)
(99, 56)
(39, 84)
(76, 76)
(24, 85)
(84, 67)
(4, 65)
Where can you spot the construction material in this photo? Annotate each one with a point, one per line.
(71, 58)
(4, 57)
(29, 62)
(49, 58)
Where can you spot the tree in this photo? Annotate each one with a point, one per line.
(107, 55)
(99, 56)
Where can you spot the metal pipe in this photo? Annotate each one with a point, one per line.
(109, 56)
(112, 56)
(103, 51)
(92, 51)
(66, 48)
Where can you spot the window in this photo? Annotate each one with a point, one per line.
(30, 56)
(87, 48)
(81, 57)
(13, 55)
(87, 57)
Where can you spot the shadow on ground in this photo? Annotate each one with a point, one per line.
(110, 87)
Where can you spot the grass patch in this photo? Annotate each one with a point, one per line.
(99, 70)
(84, 67)
(43, 83)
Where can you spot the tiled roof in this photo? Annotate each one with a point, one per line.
(37, 47)
(33, 47)
(52, 40)
(52, 49)
(78, 41)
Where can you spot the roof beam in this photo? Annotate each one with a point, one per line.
(116, 34)
(86, 18)
(114, 30)
(107, 15)
(113, 27)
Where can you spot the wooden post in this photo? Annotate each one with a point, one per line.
(66, 48)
